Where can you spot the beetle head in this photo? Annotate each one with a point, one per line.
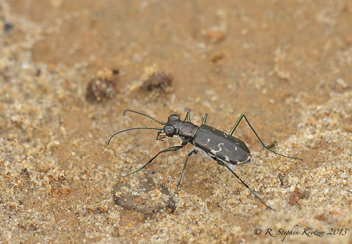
(171, 127)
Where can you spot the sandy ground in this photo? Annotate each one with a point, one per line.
(68, 70)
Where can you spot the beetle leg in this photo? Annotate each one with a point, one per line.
(188, 117)
(205, 119)
(244, 116)
(170, 149)
(247, 186)
(231, 166)
(183, 172)
(219, 162)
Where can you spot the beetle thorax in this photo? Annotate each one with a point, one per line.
(187, 129)
(183, 129)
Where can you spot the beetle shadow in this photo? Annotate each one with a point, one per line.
(145, 201)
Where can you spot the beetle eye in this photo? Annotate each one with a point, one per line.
(169, 130)
(173, 117)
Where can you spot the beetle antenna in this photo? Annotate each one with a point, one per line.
(162, 123)
(137, 128)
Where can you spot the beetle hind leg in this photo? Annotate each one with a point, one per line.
(228, 167)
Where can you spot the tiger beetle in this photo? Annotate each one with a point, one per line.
(224, 148)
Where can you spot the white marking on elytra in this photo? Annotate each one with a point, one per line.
(231, 165)
(248, 160)
(219, 146)
(208, 140)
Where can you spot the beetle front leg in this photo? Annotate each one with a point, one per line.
(175, 148)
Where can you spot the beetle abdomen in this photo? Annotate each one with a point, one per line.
(221, 145)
